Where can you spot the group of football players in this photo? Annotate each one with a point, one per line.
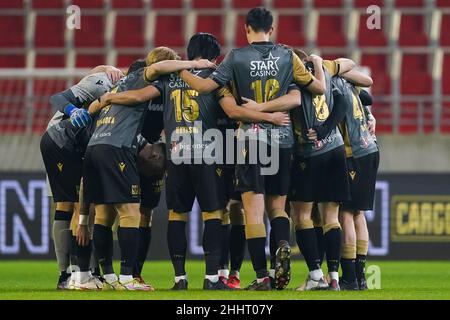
(116, 139)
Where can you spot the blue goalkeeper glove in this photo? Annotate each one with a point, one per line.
(79, 118)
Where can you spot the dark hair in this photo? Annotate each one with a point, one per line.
(203, 45)
(259, 19)
(136, 65)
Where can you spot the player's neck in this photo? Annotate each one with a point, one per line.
(258, 37)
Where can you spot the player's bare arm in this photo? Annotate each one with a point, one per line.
(283, 103)
(83, 232)
(345, 65)
(228, 104)
(170, 66)
(113, 73)
(318, 86)
(202, 86)
(358, 78)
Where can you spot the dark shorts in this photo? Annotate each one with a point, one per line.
(229, 180)
(64, 170)
(150, 191)
(362, 176)
(249, 177)
(185, 182)
(322, 178)
(110, 175)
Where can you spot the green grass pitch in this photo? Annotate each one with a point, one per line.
(399, 280)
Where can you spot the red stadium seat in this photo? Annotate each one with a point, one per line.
(14, 37)
(409, 3)
(11, 4)
(446, 75)
(367, 3)
(328, 3)
(445, 27)
(247, 4)
(124, 60)
(89, 60)
(415, 78)
(290, 30)
(410, 113)
(12, 99)
(91, 33)
(12, 61)
(443, 3)
(383, 113)
(445, 118)
(211, 24)
(203, 4)
(412, 31)
(129, 31)
(50, 61)
(240, 35)
(170, 31)
(370, 37)
(127, 4)
(331, 31)
(89, 4)
(167, 4)
(279, 4)
(49, 25)
(378, 65)
(48, 4)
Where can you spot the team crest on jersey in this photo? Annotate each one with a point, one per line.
(121, 166)
(302, 165)
(352, 174)
(135, 190)
(265, 67)
(60, 166)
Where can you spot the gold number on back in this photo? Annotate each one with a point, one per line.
(271, 88)
(187, 107)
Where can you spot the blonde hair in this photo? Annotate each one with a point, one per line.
(301, 54)
(159, 54)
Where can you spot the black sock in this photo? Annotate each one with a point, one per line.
(333, 249)
(73, 254)
(348, 270)
(84, 257)
(176, 240)
(320, 243)
(360, 266)
(212, 236)
(257, 249)
(279, 230)
(145, 237)
(128, 242)
(103, 242)
(307, 243)
(237, 247)
(225, 247)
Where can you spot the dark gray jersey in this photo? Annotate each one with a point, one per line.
(118, 125)
(358, 141)
(80, 95)
(262, 72)
(314, 110)
(188, 114)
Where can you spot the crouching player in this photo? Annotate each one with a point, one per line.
(62, 155)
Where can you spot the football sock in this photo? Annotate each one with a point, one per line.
(361, 256)
(94, 266)
(307, 243)
(145, 237)
(103, 243)
(82, 276)
(62, 238)
(178, 278)
(212, 278)
(348, 262)
(176, 239)
(256, 239)
(225, 247)
(320, 243)
(84, 257)
(316, 275)
(280, 230)
(212, 235)
(110, 277)
(124, 278)
(128, 242)
(237, 246)
(332, 237)
(224, 273)
(272, 273)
